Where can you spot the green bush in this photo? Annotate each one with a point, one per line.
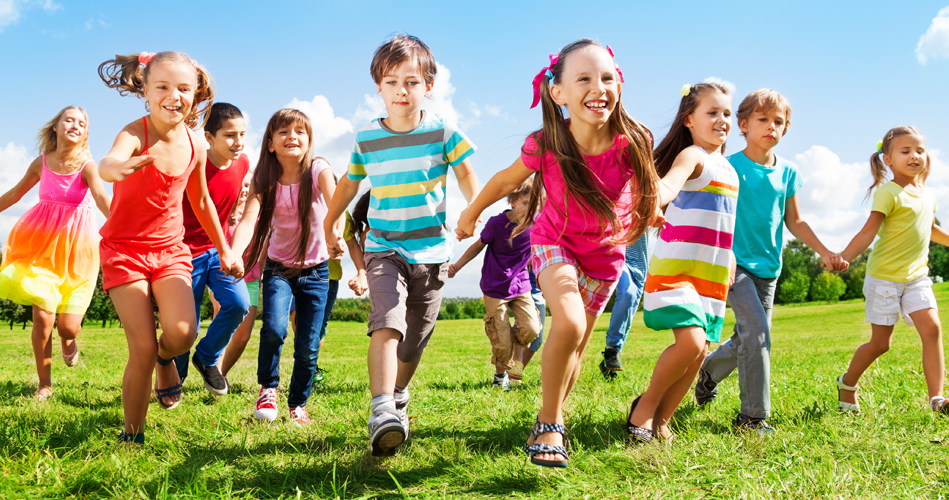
(794, 289)
(828, 287)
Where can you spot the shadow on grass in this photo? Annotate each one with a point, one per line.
(10, 390)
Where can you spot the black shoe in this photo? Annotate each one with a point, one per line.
(637, 434)
(214, 382)
(611, 360)
(744, 423)
(608, 374)
(705, 389)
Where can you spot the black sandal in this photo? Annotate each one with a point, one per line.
(637, 434)
(167, 392)
(541, 448)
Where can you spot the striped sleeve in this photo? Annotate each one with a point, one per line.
(457, 146)
(357, 165)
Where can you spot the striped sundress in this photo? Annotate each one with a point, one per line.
(688, 276)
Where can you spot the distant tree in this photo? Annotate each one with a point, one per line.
(794, 289)
(855, 275)
(828, 287)
(452, 310)
(101, 308)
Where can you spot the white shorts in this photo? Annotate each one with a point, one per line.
(887, 299)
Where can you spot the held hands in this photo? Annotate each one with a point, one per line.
(467, 223)
(231, 264)
(334, 243)
(453, 270)
(359, 284)
(132, 165)
(834, 263)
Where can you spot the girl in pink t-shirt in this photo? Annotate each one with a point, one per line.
(597, 171)
(288, 200)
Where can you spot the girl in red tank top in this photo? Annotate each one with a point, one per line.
(153, 162)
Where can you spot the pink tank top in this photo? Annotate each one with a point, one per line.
(64, 189)
(146, 206)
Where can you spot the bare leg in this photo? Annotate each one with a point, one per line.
(43, 321)
(134, 307)
(880, 340)
(405, 372)
(934, 364)
(526, 355)
(382, 361)
(235, 348)
(674, 395)
(179, 324)
(671, 367)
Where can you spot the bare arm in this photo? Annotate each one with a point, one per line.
(342, 196)
(30, 178)
(206, 213)
(245, 228)
(328, 188)
(466, 257)
(802, 231)
(939, 235)
(687, 165)
(121, 161)
(467, 180)
(360, 283)
(90, 175)
(864, 238)
(499, 186)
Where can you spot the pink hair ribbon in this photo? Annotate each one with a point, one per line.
(194, 63)
(539, 79)
(145, 57)
(621, 80)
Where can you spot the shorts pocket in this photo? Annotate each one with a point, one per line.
(887, 300)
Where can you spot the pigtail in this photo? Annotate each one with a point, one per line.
(125, 74)
(877, 171)
(645, 180)
(203, 98)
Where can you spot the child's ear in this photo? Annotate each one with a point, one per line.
(379, 88)
(208, 137)
(556, 94)
(743, 126)
(270, 145)
(429, 86)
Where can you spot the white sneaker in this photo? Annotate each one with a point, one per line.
(402, 409)
(503, 383)
(266, 409)
(386, 432)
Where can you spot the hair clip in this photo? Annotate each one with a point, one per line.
(145, 57)
(539, 79)
(879, 147)
(194, 63)
(686, 90)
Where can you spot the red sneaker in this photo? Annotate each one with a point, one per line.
(299, 416)
(266, 410)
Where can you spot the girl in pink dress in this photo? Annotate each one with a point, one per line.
(51, 258)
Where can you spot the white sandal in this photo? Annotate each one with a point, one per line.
(844, 406)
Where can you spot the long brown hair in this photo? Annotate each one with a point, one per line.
(679, 136)
(267, 178)
(878, 169)
(128, 76)
(47, 141)
(555, 137)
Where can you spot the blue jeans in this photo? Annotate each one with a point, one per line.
(234, 300)
(309, 288)
(629, 291)
(749, 348)
(330, 302)
(541, 306)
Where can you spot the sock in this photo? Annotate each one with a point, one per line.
(383, 403)
(399, 389)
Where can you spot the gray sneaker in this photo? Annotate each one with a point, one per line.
(386, 432)
(760, 426)
(402, 408)
(503, 382)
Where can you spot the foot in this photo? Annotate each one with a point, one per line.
(502, 382)
(71, 359)
(386, 432)
(611, 359)
(664, 434)
(213, 380)
(847, 394)
(609, 375)
(299, 417)
(638, 432)
(44, 393)
(266, 407)
(167, 377)
(552, 439)
(760, 426)
(939, 404)
(402, 408)
(705, 389)
(516, 373)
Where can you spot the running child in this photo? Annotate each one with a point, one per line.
(692, 265)
(598, 174)
(226, 169)
(51, 259)
(406, 157)
(288, 200)
(505, 284)
(897, 281)
(152, 163)
(767, 195)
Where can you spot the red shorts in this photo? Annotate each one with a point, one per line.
(123, 264)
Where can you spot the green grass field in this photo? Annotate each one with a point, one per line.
(466, 438)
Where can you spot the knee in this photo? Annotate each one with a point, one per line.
(68, 332)
(879, 347)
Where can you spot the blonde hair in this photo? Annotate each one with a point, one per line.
(764, 100)
(523, 190)
(47, 141)
(878, 169)
(399, 49)
(128, 76)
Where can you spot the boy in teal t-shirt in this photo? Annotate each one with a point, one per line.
(767, 200)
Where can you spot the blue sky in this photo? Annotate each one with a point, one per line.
(850, 70)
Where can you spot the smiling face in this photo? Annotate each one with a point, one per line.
(290, 142)
(71, 127)
(711, 121)
(765, 127)
(169, 90)
(906, 156)
(403, 89)
(588, 85)
(228, 141)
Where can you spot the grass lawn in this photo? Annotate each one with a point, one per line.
(466, 438)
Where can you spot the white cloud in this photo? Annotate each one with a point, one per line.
(831, 199)
(11, 10)
(327, 127)
(724, 83)
(935, 42)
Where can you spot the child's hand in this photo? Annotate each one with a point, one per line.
(334, 243)
(453, 270)
(359, 284)
(834, 263)
(231, 264)
(467, 223)
(132, 165)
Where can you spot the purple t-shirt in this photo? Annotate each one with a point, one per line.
(504, 273)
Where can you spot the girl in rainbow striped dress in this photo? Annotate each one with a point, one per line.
(692, 265)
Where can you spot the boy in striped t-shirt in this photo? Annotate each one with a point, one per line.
(406, 158)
